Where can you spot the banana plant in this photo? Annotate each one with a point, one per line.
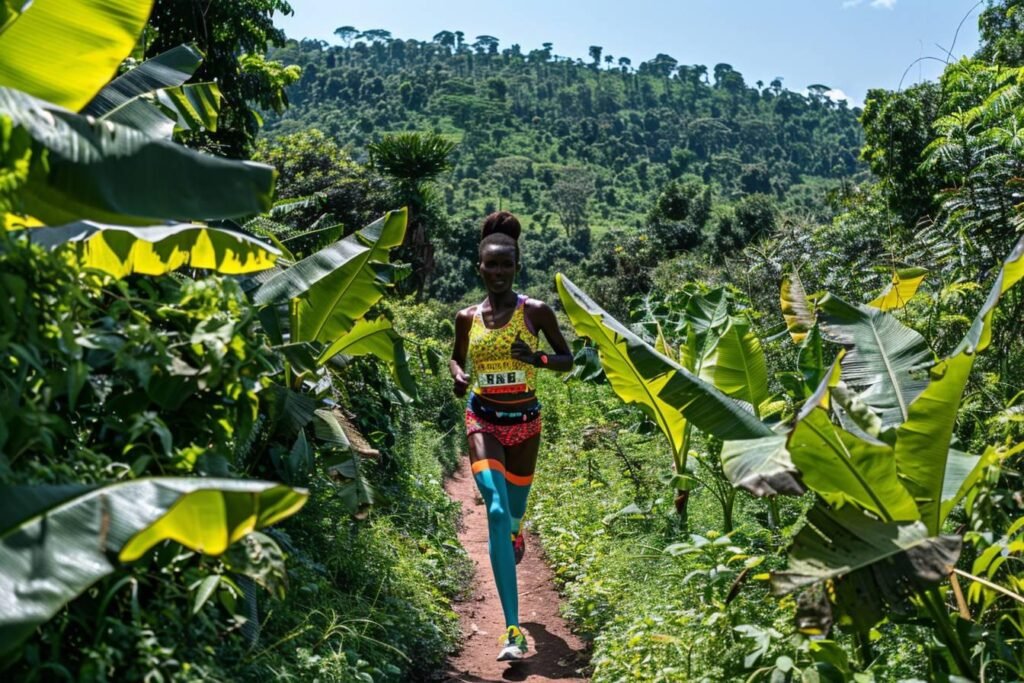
(153, 97)
(328, 294)
(906, 475)
(666, 391)
(57, 541)
(87, 149)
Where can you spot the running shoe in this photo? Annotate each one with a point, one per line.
(514, 645)
(519, 546)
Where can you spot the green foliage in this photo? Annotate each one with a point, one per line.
(233, 36)
(571, 146)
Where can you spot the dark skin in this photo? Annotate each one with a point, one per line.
(497, 267)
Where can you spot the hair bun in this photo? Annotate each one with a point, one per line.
(501, 222)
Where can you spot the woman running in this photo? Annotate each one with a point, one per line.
(500, 338)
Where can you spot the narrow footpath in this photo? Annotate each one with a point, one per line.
(555, 653)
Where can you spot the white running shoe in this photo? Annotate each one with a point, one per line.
(514, 645)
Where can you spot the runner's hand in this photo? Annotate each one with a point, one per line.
(522, 352)
(460, 384)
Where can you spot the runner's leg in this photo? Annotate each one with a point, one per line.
(487, 457)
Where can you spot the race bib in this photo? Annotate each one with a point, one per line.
(499, 378)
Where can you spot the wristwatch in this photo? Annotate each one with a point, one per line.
(542, 359)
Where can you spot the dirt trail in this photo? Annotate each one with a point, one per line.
(555, 653)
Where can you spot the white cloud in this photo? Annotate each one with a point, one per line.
(884, 4)
(837, 95)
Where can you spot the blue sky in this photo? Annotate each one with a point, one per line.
(849, 45)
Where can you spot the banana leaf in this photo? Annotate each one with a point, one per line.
(762, 466)
(153, 98)
(166, 70)
(56, 541)
(121, 250)
(736, 365)
(158, 115)
(109, 173)
(795, 308)
(10, 10)
(668, 393)
(843, 468)
(64, 51)
(901, 290)
(885, 359)
(378, 338)
(937, 476)
(869, 564)
(336, 286)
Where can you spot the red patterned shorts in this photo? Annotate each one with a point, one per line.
(510, 432)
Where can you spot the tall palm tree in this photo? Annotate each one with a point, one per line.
(412, 161)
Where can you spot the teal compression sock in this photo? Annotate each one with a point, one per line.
(517, 494)
(491, 483)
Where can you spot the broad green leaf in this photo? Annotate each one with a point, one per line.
(166, 70)
(336, 286)
(885, 359)
(158, 115)
(708, 313)
(378, 338)
(668, 393)
(103, 171)
(736, 365)
(762, 466)
(153, 99)
(662, 346)
(795, 309)
(855, 415)
(811, 359)
(64, 51)
(329, 430)
(195, 106)
(870, 564)
(979, 335)
(56, 541)
(10, 10)
(937, 476)
(843, 468)
(901, 290)
(121, 250)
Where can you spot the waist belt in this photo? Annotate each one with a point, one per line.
(499, 416)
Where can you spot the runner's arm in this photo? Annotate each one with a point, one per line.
(456, 365)
(543, 319)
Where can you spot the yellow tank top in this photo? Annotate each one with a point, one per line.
(493, 371)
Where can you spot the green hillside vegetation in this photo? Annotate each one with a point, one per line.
(791, 447)
(581, 149)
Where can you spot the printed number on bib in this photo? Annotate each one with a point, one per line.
(497, 380)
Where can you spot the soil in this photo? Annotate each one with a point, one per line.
(555, 653)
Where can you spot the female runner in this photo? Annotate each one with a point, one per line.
(500, 338)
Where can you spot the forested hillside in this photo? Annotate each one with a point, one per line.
(577, 147)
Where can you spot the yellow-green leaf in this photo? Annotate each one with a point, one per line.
(795, 309)
(122, 250)
(64, 51)
(901, 290)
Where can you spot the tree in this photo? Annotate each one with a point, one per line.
(486, 45)
(445, 39)
(227, 32)
(571, 194)
(346, 34)
(676, 221)
(413, 160)
(595, 55)
(897, 129)
(1001, 25)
